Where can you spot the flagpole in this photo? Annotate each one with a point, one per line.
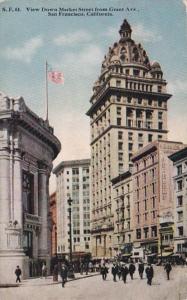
(46, 85)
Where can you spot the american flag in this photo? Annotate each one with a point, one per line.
(56, 77)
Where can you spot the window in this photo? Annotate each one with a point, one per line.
(140, 137)
(150, 137)
(180, 200)
(150, 102)
(179, 170)
(138, 233)
(120, 135)
(130, 146)
(75, 171)
(140, 146)
(130, 136)
(180, 215)
(118, 110)
(120, 156)
(159, 137)
(180, 231)
(120, 146)
(160, 125)
(146, 230)
(127, 71)
(118, 98)
(118, 83)
(140, 101)
(179, 185)
(159, 89)
(129, 99)
(160, 103)
(28, 192)
(118, 121)
(153, 202)
(136, 72)
(160, 115)
(153, 231)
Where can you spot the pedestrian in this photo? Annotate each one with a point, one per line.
(63, 273)
(114, 271)
(168, 269)
(150, 273)
(55, 272)
(141, 269)
(124, 272)
(44, 270)
(18, 274)
(90, 266)
(119, 270)
(132, 269)
(104, 271)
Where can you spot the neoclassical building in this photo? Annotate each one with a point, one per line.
(27, 149)
(128, 110)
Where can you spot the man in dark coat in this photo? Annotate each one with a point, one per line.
(132, 269)
(104, 271)
(141, 269)
(124, 272)
(18, 274)
(114, 271)
(64, 274)
(119, 270)
(150, 273)
(168, 269)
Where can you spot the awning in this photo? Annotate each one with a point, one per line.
(126, 254)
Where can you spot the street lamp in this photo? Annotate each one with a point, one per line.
(70, 271)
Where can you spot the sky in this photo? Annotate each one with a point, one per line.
(76, 45)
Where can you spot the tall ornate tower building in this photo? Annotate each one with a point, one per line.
(128, 110)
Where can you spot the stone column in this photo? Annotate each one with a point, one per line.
(17, 196)
(43, 250)
(4, 195)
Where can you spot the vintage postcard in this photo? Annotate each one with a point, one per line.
(93, 149)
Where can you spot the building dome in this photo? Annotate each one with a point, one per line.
(155, 67)
(155, 64)
(126, 51)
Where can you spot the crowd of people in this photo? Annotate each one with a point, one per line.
(119, 270)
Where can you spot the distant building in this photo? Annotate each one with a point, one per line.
(179, 159)
(128, 110)
(27, 150)
(123, 197)
(53, 215)
(153, 202)
(73, 180)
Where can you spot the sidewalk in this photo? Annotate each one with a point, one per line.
(49, 280)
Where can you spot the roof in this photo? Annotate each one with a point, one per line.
(70, 164)
(179, 155)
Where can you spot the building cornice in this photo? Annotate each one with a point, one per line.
(125, 92)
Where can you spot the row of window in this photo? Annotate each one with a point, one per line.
(144, 233)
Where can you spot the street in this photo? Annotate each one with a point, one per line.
(92, 288)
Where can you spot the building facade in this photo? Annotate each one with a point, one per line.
(27, 149)
(128, 110)
(123, 197)
(73, 180)
(179, 160)
(53, 215)
(153, 208)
